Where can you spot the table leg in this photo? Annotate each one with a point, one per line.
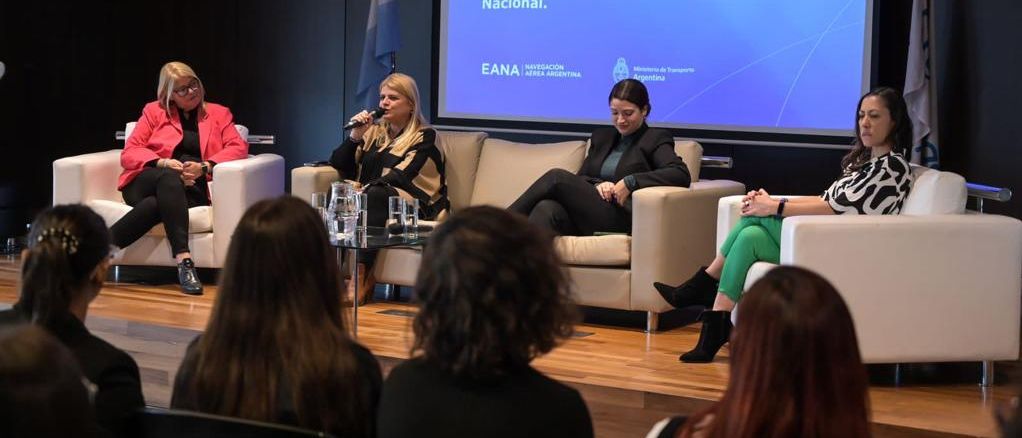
(354, 277)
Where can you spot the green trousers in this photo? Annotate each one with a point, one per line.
(753, 239)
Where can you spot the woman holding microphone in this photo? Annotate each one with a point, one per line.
(393, 156)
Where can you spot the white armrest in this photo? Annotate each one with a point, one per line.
(307, 180)
(237, 185)
(87, 177)
(920, 288)
(729, 213)
(672, 235)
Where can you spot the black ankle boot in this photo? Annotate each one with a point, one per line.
(700, 290)
(715, 333)
(188, 277)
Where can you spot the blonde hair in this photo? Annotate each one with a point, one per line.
(170, 73)
(379, 135)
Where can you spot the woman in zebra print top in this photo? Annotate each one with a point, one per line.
(876, 180)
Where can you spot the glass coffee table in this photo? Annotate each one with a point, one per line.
(371, 239)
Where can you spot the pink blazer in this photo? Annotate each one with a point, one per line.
(156, 135)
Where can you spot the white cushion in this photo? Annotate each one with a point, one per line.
(200, 219)
(935, 192)
(610, 250)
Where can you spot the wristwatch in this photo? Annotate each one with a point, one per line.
(205, 168)
(780, 206)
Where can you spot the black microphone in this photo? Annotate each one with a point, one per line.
(355, 123)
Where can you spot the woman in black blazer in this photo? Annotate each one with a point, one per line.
(620, 161)
(63, 270)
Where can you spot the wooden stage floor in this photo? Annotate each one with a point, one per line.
(629, 379)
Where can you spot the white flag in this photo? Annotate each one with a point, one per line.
(920, 88)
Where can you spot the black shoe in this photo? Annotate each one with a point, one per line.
(715, 333)
(699, 290)
(189, 279)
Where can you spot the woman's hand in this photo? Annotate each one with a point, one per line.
(760, 205)
(366, 119)
(171, 164)
(191, 170)
(606, 190)
(621, 192)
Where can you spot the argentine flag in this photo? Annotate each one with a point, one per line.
(920, 88)
(382, 39)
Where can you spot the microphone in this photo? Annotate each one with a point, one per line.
(355, 124)
(2, 69)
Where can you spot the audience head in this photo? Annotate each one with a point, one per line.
(492, 294)
(42, 392)
(277, 321)
(881, 121)
(795, 363)
(179, 87)
(629, 105)
(65, 263)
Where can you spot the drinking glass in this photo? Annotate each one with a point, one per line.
(362, 202)
(396, 215)
(412, 217)
(319, 202)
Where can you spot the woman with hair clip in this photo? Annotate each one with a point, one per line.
(876, 180)
(396, 157)
(620, 160)
(795, 367)
(492, 298)
(168, 161)
(276, 348)
(62, 271)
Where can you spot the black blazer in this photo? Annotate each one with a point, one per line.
(651, 159)
(114, 372)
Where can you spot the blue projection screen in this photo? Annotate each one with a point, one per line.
(786, 66)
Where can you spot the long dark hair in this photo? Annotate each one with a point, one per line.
(795, 364)
(900, 136)
(277, 326)
(41, 388)
(65, 245)
(633, 91)
(492, 295)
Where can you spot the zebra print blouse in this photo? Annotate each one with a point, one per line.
(878, 187)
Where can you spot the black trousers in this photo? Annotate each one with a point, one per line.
(568, 204)
(158, 195)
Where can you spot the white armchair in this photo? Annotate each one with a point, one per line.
(932, 284)
(91, 179)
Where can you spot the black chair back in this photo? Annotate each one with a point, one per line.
(173, 423)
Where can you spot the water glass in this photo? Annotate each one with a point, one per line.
(396, 215)
(412, 217)
(319, 202)
(362, 202)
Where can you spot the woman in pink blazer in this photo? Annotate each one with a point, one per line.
(168, 160)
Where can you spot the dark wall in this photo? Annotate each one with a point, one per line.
(981, 135)
(77, 71)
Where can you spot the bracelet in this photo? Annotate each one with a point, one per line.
(780, 206)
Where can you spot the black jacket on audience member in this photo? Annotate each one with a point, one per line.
(114, 372)
(421, 400)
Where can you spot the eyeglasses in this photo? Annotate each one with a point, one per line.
(192, 87)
